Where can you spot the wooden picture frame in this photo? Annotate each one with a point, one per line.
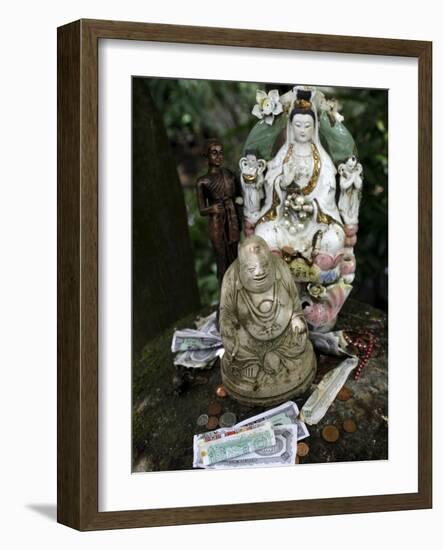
(78, 274)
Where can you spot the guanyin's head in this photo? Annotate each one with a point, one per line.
(302, 118)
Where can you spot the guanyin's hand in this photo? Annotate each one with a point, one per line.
(289, 170)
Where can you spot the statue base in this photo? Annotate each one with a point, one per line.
(250, 396)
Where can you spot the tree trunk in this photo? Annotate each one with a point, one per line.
(164, 286)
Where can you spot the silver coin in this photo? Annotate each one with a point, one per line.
(227, 420)
(202, 420)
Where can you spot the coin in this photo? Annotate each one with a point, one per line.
(214, 408)
(349, 426)
(302, 449)
(330, 433)
(344, 394)
(212, 423)
(202, 420)
(220, 391)
(200, 380)
(227, 420)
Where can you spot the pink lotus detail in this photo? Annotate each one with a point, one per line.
(322, 315)
(351, 241)
(351, 229)
(326, 261)
(347, 265)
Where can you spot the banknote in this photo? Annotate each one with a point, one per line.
(282, 453)
(329, 343)
(284, 414)
(220, 433)
(189, 339)
(237, 443)
(208, 324)
(212, 436)
(197, 359)
(288, 430)
(324, 394)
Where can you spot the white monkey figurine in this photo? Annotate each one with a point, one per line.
(351, 182)
(252, 181)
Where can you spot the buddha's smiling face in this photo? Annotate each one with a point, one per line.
(303, 128)
(257, 271)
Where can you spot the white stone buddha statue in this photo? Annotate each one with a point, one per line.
(268, 357)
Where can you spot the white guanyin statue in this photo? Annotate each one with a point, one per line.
(294, 203)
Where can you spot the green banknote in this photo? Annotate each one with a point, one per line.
(246, 441)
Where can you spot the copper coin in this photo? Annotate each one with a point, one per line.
(212, 423)
(302, 449)
(349, 426)
(330, 433)
(214, 409)
(220, 391)
(344, 394)
(200, 380)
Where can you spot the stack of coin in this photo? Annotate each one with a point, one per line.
(214, 411)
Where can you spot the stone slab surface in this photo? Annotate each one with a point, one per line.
(164, 422)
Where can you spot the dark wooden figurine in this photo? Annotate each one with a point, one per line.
(219, 198)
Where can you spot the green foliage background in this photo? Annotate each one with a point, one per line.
(195, 110)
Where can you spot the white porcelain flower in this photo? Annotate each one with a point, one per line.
(268, 106)
(331, 106)
(316, 290)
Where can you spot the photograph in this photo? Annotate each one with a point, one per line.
(259, 274)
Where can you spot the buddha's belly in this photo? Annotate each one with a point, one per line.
(260, 322)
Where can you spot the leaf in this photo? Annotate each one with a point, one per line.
(263, 136)
(337, 139)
